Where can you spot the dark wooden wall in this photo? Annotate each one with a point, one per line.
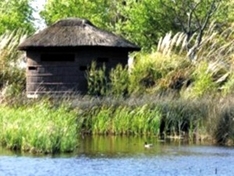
(56, 76)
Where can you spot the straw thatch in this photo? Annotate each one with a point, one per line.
(75, 32)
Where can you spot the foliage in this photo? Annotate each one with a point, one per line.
(228, 87)
(168, 69)
(223, 131)
(12, 76)
(123, 120)
(119, 81)
(182, 117)
(194, 119)
(194, 16)
(220, 121)
(100, 12)
(48, 126)
(113, 83)
(97, 80)
(203, 81)
(144, 22)
(16, 14)
(211, 69)
(157, 72)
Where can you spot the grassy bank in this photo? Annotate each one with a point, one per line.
(38, 128)
(208, 118)
(51, 126)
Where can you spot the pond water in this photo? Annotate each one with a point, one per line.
(110, 156)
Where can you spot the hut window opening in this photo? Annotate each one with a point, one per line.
(57, 57)
(31, 68)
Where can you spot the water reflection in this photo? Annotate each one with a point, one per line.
(115, 146)
(100, 155)
(112, 146)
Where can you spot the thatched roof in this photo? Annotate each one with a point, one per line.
(75, 32)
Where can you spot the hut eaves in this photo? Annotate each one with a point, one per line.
(75, 32)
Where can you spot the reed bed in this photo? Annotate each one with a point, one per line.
(38, 128)
(198, 119)
(123, 120)
(51, 127)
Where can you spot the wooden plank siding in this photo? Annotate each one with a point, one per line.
(66, 76)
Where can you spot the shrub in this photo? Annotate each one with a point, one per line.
(12, 76)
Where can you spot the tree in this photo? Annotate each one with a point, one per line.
(142, 21)
(134, 19)
(15, 14)
(194, 16)
(99, 12)
(148, 20)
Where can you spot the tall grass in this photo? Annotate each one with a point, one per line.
(155, 73)
(169, 67)
(220, 123)
(134, 115)
(49, 127)
(97, 80)
(38, 128)
(119, 81)
(12, 76)
(121, 120)
(203, 82)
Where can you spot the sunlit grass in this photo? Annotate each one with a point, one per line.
(12, 75)
(38, 128)
(197, 119)
(121, 120)
(44, 126)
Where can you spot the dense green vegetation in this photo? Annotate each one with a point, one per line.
(169, 69)
(16, 14)
(144, 21)
(38, 128)
(54, 125)
(12, 72)
(180, 85)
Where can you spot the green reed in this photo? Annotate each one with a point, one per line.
(122, 120)
(48, 126)
(38, 128)
(207, 118)
(193, 119)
